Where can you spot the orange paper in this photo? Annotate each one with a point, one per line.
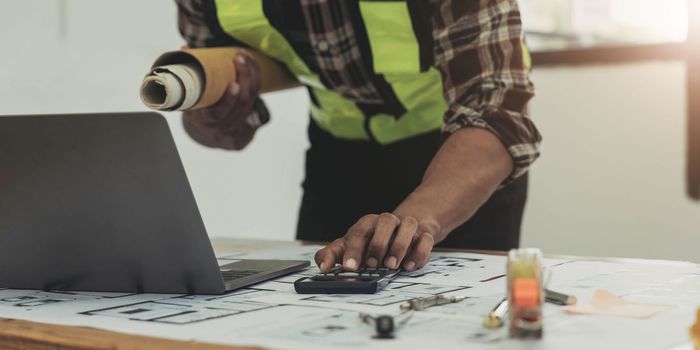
(606, 303)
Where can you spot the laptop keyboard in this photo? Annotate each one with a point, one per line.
(230, 275)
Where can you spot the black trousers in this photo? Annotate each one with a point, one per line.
(348, 179)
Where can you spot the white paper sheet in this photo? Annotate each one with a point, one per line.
(272, 315)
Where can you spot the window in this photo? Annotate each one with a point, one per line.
(552, 25)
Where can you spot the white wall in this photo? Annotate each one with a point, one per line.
(612, 174)
(610, 181)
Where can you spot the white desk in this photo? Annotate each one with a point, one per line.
(299, 323)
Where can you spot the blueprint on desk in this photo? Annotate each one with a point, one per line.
(272, 315)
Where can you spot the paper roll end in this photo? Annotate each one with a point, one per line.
(154, 94)
(171, 87)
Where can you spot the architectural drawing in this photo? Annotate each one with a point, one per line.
(271, 314)
(182, 314)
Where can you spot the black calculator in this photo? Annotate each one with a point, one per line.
(337, 280)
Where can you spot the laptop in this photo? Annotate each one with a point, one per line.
(101, 202)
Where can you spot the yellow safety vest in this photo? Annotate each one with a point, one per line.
(395, 56)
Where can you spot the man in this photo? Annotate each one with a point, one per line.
(418, 128)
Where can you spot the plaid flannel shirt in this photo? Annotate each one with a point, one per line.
(476, 47)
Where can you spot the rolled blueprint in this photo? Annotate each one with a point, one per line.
(172, 87)
(197, 78)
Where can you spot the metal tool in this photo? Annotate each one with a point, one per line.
(385, 325)
(553, 297)
(419, 304)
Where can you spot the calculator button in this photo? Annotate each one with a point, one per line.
(348, 274)
(323, 278)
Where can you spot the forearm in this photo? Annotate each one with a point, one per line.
(465, 172)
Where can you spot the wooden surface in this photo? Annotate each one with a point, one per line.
(611, 55)
(24, 335)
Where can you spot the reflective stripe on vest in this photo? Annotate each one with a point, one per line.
(395, 54)
(527, 56)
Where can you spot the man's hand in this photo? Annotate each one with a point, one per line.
(381, 240)
(465, 172)
(224, 125)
